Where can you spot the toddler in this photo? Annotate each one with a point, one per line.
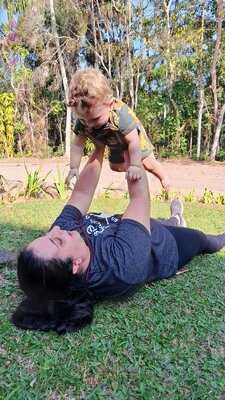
(108, 121)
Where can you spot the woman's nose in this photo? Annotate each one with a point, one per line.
(56, 231)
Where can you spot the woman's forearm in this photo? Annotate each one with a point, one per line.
(76, 152)
(86, 184)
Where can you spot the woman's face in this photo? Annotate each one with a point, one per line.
(60, 244)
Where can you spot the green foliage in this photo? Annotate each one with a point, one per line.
(57, 107)
(89, 147)
(221, 155)
(33, 187)
(212, 198)
(166, 121)
(20, 50)
(59, 183)
(150, 111)
(15, 6)
(190, 197)
(107, 193)
(19, 127)
(58, 152)
(219, 199)
(166, 68)
(7, 124)
(208, 197)
(22, 74)
(162, 196)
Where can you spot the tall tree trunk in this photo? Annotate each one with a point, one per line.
(68, 132)
(129, 57)
(200, 83)
(219, 124)
(217, 113)
(121, 81)
(93, 27)
(140, 63)
(136, 88)
(166, 6)
(191, 144)
(64, 77)
(200, 113)
(28, 122)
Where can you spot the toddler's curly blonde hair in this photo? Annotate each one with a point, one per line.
(88, 84)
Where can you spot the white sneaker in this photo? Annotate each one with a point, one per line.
(176, 210)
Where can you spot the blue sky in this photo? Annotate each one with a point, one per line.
(3, 16)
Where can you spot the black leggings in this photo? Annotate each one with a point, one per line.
(191, 242)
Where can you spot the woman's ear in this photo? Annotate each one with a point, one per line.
(76, 265)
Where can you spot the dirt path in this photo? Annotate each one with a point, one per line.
(185, 175)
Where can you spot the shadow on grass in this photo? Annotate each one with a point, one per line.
(13, 238)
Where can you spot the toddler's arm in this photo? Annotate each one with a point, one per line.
(76, 152)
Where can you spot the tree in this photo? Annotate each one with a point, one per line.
(159, 56)
(218, 99)
(113, 31)
(200, 80)
(64, 77)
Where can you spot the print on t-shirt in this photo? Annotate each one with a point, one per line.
(96, 223)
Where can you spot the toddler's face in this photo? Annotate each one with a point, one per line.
(94, 114)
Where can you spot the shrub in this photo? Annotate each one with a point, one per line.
(33, 187)
(59, 184)
(7, 123)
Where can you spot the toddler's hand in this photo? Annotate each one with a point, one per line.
(72, 172)
(134, 173)
(165, 184)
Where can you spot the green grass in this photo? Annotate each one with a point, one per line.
(166, 342)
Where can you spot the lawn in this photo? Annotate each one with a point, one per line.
(166, 342)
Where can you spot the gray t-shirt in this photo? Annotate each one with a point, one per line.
(124, 255)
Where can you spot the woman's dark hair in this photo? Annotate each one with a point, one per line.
(56, 299)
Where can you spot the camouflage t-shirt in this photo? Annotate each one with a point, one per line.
(122, 120)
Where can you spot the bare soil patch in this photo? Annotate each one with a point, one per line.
(185, 175)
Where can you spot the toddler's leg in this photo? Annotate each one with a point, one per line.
(154, 167)
(172, 221)
(149, 164)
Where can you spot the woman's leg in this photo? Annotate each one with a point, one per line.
(172, 221)
(176, 211)
(191, 242)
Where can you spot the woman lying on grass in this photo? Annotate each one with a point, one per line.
(85, 258)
